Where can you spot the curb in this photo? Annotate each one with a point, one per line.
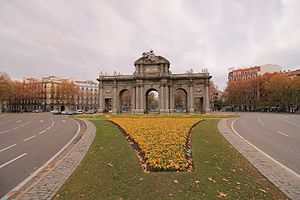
(47, 186)
(275, 172)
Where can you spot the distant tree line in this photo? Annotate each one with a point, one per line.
(24, 95)
(268, 92)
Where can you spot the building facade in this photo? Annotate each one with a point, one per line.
(152, 74)
(252, 72)
(87, 98)
(293, 73)
(46, 94)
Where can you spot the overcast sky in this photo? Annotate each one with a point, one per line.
(79, 38)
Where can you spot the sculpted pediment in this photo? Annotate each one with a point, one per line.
(149, 58)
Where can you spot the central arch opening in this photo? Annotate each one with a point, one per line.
(180, 99)
(152, 101)
(125, 101)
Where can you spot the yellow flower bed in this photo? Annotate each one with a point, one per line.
(162, 140)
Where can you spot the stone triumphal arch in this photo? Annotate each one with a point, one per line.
(153, 88)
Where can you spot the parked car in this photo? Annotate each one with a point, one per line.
(79, 112)
(64, 112)
(55, 112)
(70, 112)
(92, 111)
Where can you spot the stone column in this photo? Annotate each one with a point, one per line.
(171, 99)
(161, 99)
(137, 104)
(192, 109)
(101, 99)
(206, 98)
(115, 110)
(167, 100)
(133, 99)
(142, 100)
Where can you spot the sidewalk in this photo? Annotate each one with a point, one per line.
(46, 187)
(287, 181)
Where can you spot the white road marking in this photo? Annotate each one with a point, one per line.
(29, 138)
(261, 121)
(15, 128)
(18, 187)
(282, 133)
(8, 147)
(42, 121)
(48, 127)
(16, 158)
(63, 120)
(40, 133)
(265, 154)
(4, 131)
(19, 121)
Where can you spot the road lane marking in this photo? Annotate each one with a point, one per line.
(42, 121)
(19, 121)
(48, 127)
(29, 138)
(16, 158)
(63, 120)
(282, 133)
(8, 147)
(18, 187)
(265, 154)
(40, 133)
(4, 132)
(261, 121)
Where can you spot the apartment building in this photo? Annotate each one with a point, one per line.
(238, 74)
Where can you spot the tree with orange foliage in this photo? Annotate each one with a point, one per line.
(267, 92)
(27, 95)
(5, 90)
(66, 93)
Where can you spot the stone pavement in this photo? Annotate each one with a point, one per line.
(47, 186)
(287, 181)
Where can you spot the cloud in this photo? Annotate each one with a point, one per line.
(74, 38)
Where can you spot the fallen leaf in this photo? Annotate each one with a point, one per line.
(175, 181)
(264, 191)
(238, 183)
(197, 182)
(222, 195)
(210, 179)
(225, 179)
(109, 164)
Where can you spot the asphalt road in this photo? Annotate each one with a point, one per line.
(278, 135)
(27, 142)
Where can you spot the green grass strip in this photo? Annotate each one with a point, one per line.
(110, 170)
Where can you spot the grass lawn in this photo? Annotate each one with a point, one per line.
(111, 170)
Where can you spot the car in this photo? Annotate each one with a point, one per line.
(64, 112)
(70, 112)
(55, 112)
(92, 111)
(79, 112)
